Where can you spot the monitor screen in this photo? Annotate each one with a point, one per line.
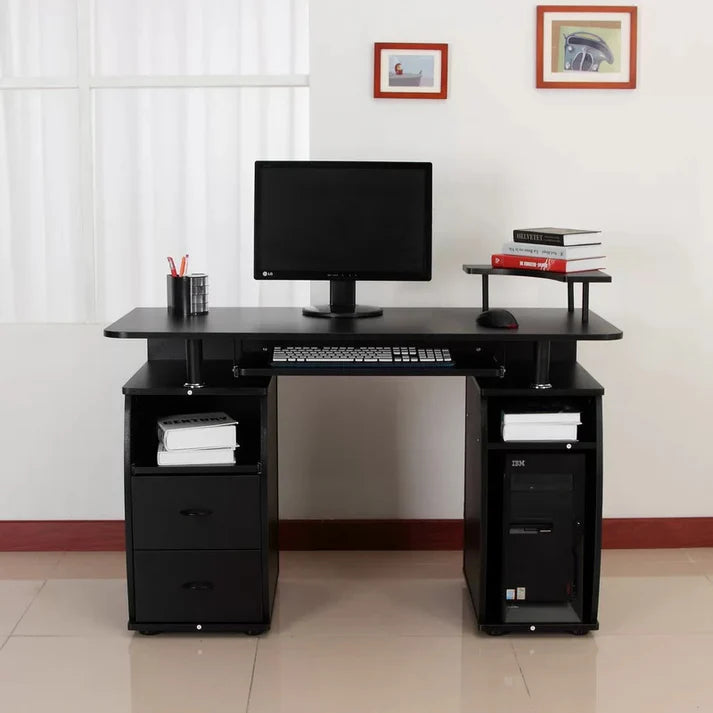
(343, 220)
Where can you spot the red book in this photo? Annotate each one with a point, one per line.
(546, 264)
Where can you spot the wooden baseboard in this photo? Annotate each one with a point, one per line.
(657, 532)
(108, 535)
(61, 535)
(371, 534)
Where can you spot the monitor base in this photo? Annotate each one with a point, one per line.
(342, 303)
(355, 313)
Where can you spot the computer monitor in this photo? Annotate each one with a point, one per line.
(342, 221)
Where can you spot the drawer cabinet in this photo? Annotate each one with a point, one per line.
(201, 541)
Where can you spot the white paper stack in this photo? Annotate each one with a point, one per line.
(197, 439)
(540, 426)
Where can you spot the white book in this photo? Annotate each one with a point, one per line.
(196, 456)
(539, 432)
(543, 417)
(197, 430)
(573, 252)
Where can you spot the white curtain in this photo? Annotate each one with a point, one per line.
(183, 97)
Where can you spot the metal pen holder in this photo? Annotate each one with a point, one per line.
(188, 295)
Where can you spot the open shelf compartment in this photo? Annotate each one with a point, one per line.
(148, 409)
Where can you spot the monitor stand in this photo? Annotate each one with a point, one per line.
(342, 303)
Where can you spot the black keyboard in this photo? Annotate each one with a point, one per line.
(361, 356)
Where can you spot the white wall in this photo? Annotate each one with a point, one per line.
(634, 163)
(61, 421)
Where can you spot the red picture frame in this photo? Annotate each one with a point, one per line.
(600, 37)
(410, 70)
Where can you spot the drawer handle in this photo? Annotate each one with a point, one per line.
(198, 586)
(194, 512)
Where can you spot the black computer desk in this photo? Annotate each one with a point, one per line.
(202, 547)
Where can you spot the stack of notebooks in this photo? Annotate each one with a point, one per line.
(559, 426)
(197, 439)
(552, 250)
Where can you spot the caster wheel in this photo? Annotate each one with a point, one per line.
(252, 632)
(495, 632)
(580, 632)
(148, 633)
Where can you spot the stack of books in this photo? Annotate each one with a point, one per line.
(552, 250)
(197, 439)
(540, 426)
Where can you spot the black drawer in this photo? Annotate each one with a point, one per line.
(193, 512)
(198, 587)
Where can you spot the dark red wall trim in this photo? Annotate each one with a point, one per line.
(657, 532)
(66, 535)
(371, 534)
(617, 533)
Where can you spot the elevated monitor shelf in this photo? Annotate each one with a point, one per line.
(570, 278)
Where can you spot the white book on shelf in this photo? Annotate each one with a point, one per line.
(539, 432)
(543, 417)
(558, 252)
(195, 456)
(197, 430)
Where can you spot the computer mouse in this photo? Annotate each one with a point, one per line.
(498, 318)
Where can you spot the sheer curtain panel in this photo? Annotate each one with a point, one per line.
(128, 132)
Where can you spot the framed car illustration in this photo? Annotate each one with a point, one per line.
(586, 47)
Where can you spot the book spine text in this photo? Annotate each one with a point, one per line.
(519, 262)
(526, 236)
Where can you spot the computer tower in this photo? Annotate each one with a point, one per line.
(543, 530)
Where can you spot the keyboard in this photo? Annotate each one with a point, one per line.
(361, 356)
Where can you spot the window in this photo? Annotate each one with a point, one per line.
(128, 132)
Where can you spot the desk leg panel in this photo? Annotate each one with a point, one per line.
(473, 506)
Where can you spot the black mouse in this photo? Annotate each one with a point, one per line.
(499, 318)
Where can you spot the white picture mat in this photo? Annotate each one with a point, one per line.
(384, 76)
(594, 77)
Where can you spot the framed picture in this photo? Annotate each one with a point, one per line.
(586, 47)
(408, 70)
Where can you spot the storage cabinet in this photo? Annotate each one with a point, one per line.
(202, 551)
(532, 509)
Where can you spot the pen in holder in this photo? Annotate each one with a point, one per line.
(187, 295)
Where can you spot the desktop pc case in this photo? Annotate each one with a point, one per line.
(543, 535)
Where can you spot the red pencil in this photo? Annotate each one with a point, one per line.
(172, 265)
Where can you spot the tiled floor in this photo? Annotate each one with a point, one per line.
(355, 631)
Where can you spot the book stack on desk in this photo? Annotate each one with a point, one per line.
(197, 439)
(557, 426)
(552, 250)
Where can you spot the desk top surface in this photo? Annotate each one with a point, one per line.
(447, 323)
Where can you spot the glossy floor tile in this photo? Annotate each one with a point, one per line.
(656, 605)
(357, 631)
(702, 559)
(647, 563)
(397, 607)
(77, 607)
(363, 674)
(619, 674)
(360, 566)
(15, 598)
(29, 565)
(91, 565)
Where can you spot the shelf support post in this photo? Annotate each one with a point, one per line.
(585, 302)
(485, 291)
(542, 365)
(194, 364)
(570, 296)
